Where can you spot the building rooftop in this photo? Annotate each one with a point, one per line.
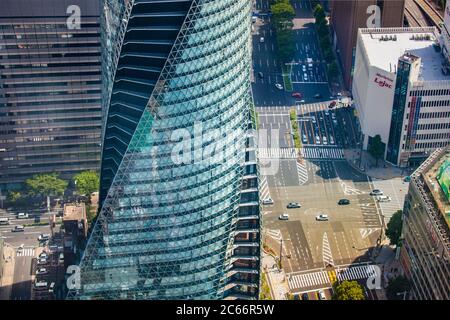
(74, 211)
(384, 46)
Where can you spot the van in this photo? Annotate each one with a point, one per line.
(41, 285)
(4, 221)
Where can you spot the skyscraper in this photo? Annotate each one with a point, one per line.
(349, 15)
(425, 253)
(179, 181)
(50, 88)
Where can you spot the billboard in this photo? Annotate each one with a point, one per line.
(443, 177)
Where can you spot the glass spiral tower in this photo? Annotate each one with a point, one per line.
(179, 178)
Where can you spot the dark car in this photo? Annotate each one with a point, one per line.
(332, 104)
(305, 296)
(260, 75)
(297, 95)
(343, 202)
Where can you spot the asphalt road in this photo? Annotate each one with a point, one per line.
(21, 289)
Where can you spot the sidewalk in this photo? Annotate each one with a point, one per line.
(383, 171)
(8, 273)
(275, 277)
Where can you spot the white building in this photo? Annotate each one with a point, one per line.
(401, 91)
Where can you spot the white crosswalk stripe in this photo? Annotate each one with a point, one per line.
(326, 251)
(276, 234)
(322, 153)
(278, 153)
(264, 188)
(312, 279)
(356, 273)
(302, 173)
(25, 253)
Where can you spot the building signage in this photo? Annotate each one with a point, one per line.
(383, 81)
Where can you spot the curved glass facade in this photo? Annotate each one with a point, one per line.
(180, 219)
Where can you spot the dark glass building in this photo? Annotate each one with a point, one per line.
(50, 88)
(179, 175)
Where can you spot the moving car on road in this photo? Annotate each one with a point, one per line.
(43, 237)
(4, 221)
(293, 205)
(296, 95)
(267, 201)
(317, 96)
(383, 198)
(261, 39)
(278, 86)
(284, 216)
(332, 104)
(18, 228)
(41, 271)
(40, 285)
(343, 202)
(22, 215)
(376, 192)
(322, 217)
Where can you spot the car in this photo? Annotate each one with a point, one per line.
(22, 215)
(41, 261)
(305, 296)
(317, 140)
(302, 101)
(4, 221)
(304, 139)
(343, 202)
(383, 198)
(254, 19)
(260, 75)
(327, 113)
(52, 287)
(267, 201)
(278, 86)
(40, 285)
(325, 141)
(322, 295)
(304, 68)
(292, 205)
(41, 271)
(313, 119)
(18, 228)
(331, 140)
(332, 104)
(284, 216)
(407, 179)
(376, 192)
(322, 217)
(296, 95)
(61, 258)
(43, 255)
(43, 237)
(305, 77)
(261, 39)
(317, 96)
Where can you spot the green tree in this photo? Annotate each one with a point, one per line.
(283, 13)
(376, 148)
(325, 43)
(328, 55)
(286, 48)
(394, 228)
(348, 290)
(46, 185)
(13, 196)
(87, 182)
(323, 30)
(397, 288)
(332, 70)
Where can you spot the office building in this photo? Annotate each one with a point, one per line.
(50, 89)
(425, 253)
(349, 15)
(401, 92)
(179, 179)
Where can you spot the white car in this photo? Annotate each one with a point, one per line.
(304, 138)
(322, 295)
(41, 271)
(325, 141)
(304, 68)
(284, 216)
(22, 215)
(322, 217)
(278, 86)
(43, 255)
(41, 261)
(43, 237)
(317, 140)
(331, 140)
(376, 192)
(305, 77)
(383, 198)
(267, 201)
(313, 119)
(261, 39)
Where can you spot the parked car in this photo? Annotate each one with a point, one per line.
(40, 285)
(41, 271)
(317, 140)
(22, 215)
(41, 261)
(325, 141)
(43, 237)
(284, 216)
(18, 228)
(376, 192)
(43, 255)
(343, 202)
(304, 138)
(278, 86)
(383, 198)
(331, 140)
(305, 296)
(267, 201)
(322, 217)
(322, 295)
(293, 205)
(304, 68)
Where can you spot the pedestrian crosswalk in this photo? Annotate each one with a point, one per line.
(322, 278)
(278, 153)
(302, 173)
(275, 234)
(326, 251)
(322, 153)
(25, 253)
(396, 189)
(306, 280)
(357, 272)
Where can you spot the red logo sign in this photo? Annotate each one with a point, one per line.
(383, 81)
